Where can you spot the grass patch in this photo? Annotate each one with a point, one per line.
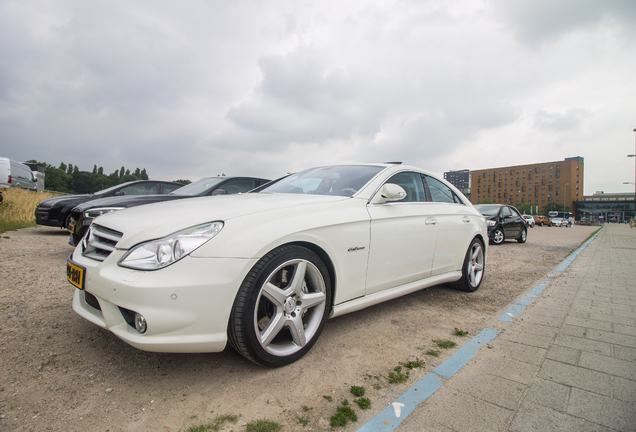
(414, 364)
(357, 391)
(263, 426)
(432, 353)
(303, 420)
(213, 425)
(343, 415)
(397, 377)
(18, 208)
(460, 333)
(444, 343)
(363, 403)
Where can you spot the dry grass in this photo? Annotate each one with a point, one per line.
(18, 208)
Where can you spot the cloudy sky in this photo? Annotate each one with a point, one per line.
(194, 88)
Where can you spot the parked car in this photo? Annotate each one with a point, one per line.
(57, 211)
(264, 270)
(82, 216)
(529, 220)
(16, 174)
(504, 222)
(557, 221)
(542, 220)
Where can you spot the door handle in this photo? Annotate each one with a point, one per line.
(431, 221)
(466, 219)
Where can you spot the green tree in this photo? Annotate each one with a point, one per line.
(121, 172)
(183, 182)
(63, 166)
(94, 169)
(144, 175)
(69, 169)
(485, 201)
(100, 171)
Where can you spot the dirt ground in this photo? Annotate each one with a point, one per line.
(60, 372)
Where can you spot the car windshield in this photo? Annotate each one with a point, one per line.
(342, 180)
(199, 187)
(110, 189)
(488, 210)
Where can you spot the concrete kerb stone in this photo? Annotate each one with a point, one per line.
(393, 415)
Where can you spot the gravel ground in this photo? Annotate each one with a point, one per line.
(60, 372)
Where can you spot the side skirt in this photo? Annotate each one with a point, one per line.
(382, 296)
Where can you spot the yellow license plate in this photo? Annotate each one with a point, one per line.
(74, 227)
(75, 274)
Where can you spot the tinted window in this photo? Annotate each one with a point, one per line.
(440, 192)
(412, 184)
(238, 186)
(488, 209)
(140, 189)
(199, 187)
(167, 188)
(343, 180)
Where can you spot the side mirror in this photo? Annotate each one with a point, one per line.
(389, 192)
(219, 192)
(119, 193)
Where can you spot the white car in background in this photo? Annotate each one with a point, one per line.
(557, 221)
(529, 220)
(264, 270)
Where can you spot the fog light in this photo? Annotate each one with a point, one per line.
(140, 323)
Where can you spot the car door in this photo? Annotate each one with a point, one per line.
(403, 236)
(510, 223)
(454, 224)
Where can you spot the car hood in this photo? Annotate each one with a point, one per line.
(127, 201)
(50, 202)
(153, 221)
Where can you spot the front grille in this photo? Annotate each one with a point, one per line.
(99, 242)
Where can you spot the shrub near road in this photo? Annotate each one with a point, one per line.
(18, 208)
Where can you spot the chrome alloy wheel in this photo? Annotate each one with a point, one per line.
(476, 265)
(290, 307)
(498, 237)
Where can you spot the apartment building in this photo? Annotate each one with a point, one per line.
(537, 184)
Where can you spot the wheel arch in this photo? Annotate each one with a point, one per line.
(326, 259)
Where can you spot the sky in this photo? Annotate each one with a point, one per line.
(193, 88)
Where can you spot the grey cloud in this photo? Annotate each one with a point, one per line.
(560, 122)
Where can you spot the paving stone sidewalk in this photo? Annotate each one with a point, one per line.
(567, 362)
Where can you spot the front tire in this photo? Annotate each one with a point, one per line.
(281, 307)
(473, 267)
(498, 236)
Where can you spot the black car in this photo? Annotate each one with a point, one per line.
(82, 216)
(56, 211)
(504, 223)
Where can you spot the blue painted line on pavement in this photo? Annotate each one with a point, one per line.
(391, 416)
(465, 353)
(395, 413)
(512, 312)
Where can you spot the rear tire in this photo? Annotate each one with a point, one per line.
(473, 267)
(498, 236)
(524, 236)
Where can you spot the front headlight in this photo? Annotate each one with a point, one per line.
(491, 222)
(93, 213)
(157, 254)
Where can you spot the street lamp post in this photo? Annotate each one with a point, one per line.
(565, 196)
(634, 156)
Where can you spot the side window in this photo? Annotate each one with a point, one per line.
(140, 189)
(238, 186)
(505, 212)
(412, 184)
(167, 188)
(440, 192)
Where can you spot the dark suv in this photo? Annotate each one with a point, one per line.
(56, 211)
(82, 216)
(504, 222)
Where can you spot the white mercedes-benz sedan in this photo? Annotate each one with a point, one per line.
(264, 270)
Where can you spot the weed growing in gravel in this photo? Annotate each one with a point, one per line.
(343, 415)
(213, 425)
(397, 376)
(329, 398)
(303, 420)
(363, 403)
(306, 408)
(357, 391)
(445, 343)
(263, 426)
(432, 353)
(414, 364)
(460, 333)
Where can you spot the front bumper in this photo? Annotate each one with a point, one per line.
(186, 305)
